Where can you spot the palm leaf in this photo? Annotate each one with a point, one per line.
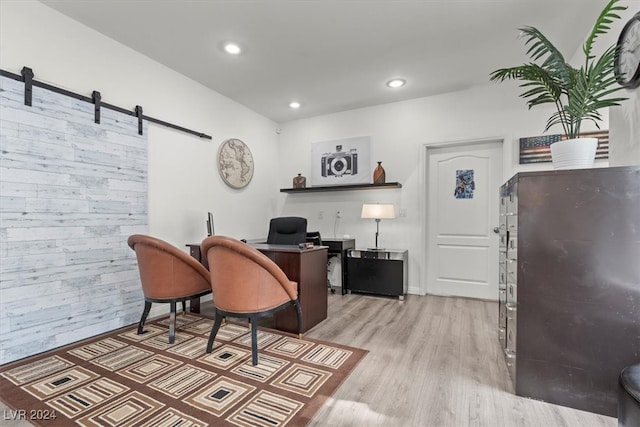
(578, 94)
(607, 16)
(592, 87)
(555, 119)
(540, 47)
(544, 86)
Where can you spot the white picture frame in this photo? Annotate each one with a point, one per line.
(341, 162)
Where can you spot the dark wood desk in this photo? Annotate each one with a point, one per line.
(308, 267)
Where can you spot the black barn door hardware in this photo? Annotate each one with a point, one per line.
(27, 75)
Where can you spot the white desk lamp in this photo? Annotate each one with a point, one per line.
(378, 211)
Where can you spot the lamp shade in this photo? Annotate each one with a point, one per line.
(378, 211)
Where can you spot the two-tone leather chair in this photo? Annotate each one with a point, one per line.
(168, 275)
(246, 284)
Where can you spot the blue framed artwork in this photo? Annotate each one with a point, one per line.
(465, 185)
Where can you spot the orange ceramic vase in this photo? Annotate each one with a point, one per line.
(299, 181)
(379, 175)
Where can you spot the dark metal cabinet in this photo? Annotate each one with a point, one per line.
(381, 272)
(508, 280)
(570, 283)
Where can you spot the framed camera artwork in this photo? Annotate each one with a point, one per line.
(341, 162)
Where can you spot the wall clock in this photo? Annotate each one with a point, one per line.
(627, 62)
(235, 163)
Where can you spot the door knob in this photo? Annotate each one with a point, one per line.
(496, 230)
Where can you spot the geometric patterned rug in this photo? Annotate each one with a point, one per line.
(124, 379)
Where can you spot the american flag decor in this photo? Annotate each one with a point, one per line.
(536, 149)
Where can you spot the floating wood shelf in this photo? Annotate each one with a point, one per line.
(386, 185)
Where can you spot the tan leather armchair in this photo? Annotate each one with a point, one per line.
(168, 275)
(247, 284)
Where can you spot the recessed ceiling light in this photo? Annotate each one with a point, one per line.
(396, 83)
(294, 105)
(232, 48)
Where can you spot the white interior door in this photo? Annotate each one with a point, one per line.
(462, 211)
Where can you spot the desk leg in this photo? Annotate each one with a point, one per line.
(343, 262)
(194, 303)
(343, 267)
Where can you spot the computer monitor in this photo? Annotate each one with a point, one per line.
(210, 228)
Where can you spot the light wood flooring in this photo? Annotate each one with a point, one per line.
(432, 362)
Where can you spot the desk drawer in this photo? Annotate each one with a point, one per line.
(503, 241)
(333, 245)
(511, 294)
(502, 295)
(510, 359)
(512, 201)
(502, 276)
(339, 245)
(512, 327)
(512, 271)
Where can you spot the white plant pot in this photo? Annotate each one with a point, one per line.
(579, 153)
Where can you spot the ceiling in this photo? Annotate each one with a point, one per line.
(333, 55)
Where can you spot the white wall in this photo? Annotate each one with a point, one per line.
(399, 131)
(624, 123)
(183, 180)
(184, 183)
(624, 120)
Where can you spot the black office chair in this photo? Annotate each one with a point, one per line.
(314, 237)
(287, 230)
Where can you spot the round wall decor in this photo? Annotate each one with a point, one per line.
(235, 163)
(627, 60)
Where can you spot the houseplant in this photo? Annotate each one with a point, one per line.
(577, 93)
